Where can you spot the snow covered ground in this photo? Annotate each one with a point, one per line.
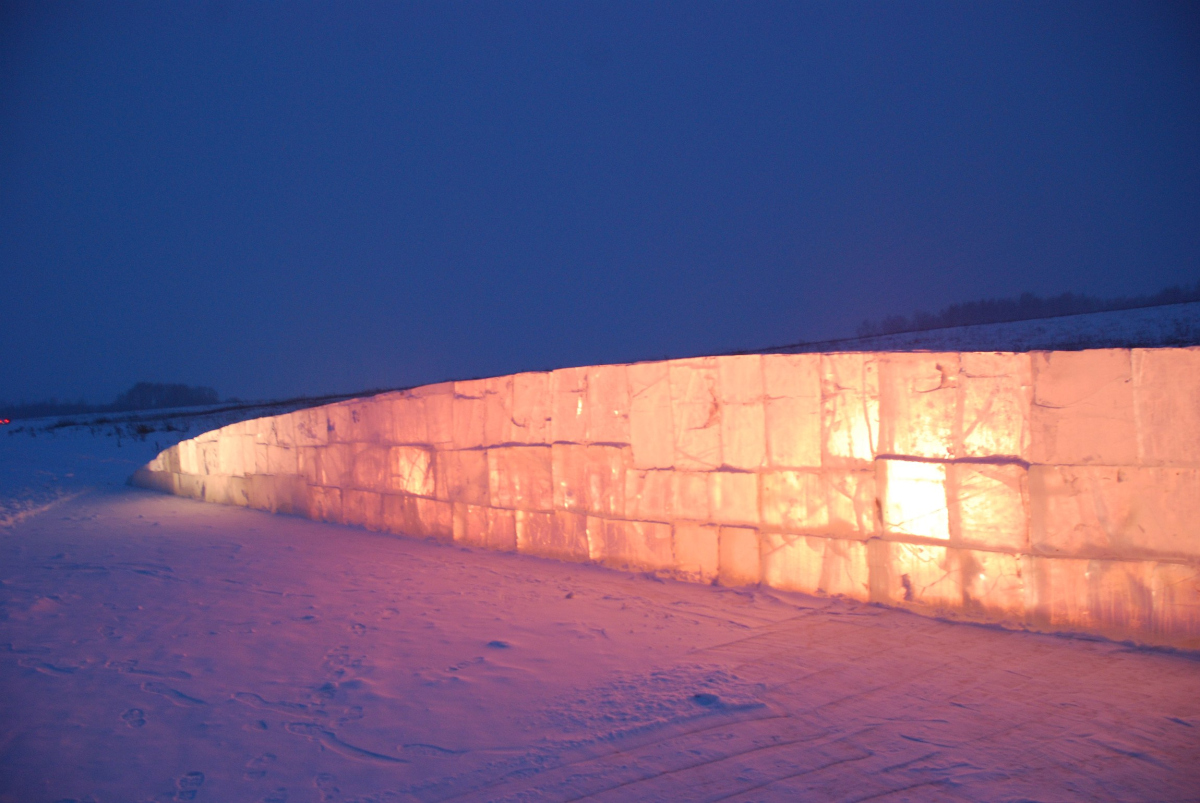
(44, 460)
(153, 648)
(1169, 325)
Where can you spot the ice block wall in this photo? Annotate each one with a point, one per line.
(1049, 490)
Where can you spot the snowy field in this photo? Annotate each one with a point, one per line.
(153, 648)
(1169, 325)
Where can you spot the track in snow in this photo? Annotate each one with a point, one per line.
(156, 648)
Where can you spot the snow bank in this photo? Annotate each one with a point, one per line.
(1050, 490)
(1148, 327)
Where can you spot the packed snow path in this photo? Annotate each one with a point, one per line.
(156, 648)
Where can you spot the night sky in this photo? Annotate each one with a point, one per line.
(276, 199)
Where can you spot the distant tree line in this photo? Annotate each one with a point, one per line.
(142, 396)
(1026, 307)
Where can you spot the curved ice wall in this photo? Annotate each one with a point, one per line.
(1052, 490)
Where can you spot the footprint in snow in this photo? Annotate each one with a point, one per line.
(354, 712)
(339, 661)
(256, 701)
(134, 717)
(358, 629)
(464, 664)
(131, 667)
(278, 796)
(188, 785)
(174, 695)
(47, 668)
(327, 784)
(431, 750)
(499, 645)
(257, 767)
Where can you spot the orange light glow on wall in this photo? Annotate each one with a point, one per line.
(1040, 490)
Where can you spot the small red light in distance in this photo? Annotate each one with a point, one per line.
(4, 421)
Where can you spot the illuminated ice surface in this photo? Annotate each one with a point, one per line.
(157, 648)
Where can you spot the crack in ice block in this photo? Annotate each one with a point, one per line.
(403, 419)
(849, 409)
(283, 430)
(371, 470)
(734, 497)
(696, 414)
(630, 544)
(832, 502)
(918, 404)
(568, 416)
(1158, 602)
(740, 563)
(690, 497)
(604, 469)
(697, 555)
(231, 455)
(1166, 400)
(1106, 511)
(329, 465)
(792, 409)
(743, 421)
(410, 470)
(648, 495)
(550, 536)
(470, 524)
(993, 584)
(461, 476)
(498, 427)
(568, 462)
(568, 539)
(362, 509)
(989, 505)
(501, 530)
(520, 477)
(607, 401)
(469, 414)
(920, 574)
(815, 565)
(996, 394)
(355, 421)
(1083, 408)
(311, 426)
(438, 404)
(415, 515)
(531, 408)
(651, 431)
(325, 504)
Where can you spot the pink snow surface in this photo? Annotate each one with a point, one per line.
(157, 648)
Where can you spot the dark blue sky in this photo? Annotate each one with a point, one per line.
(282, 198)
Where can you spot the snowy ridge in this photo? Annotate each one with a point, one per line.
(1149, 327)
